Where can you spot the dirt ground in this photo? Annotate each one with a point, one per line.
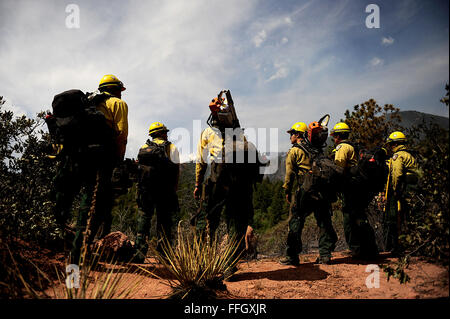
(343, 279)
(265, 278)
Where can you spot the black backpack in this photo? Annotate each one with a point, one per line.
(325, 179)
(155, 164)
(76, 123)
(371, 172)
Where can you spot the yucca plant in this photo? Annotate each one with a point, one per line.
(197, 264)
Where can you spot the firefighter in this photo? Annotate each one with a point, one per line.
(299, 164)
(230, 184)
(159, 166)
(297, 132)
(402, 177)
(96, 173)
(359, 234)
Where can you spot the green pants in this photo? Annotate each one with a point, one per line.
(304, 205)
(394, 221)
(237, 199)
(66, 185)
(166, 206)
(359, 234)
(94, 179)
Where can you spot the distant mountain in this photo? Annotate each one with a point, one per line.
(414, 118)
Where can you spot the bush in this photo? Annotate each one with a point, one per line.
(428, 223)
(25, 179)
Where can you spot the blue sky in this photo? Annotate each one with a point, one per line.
(284, 61)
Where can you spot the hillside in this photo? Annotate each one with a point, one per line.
(414, 118)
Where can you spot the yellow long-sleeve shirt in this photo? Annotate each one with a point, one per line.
(401, 164)
(345, 156)
(116, 114)
(297, 163)
(210, 144)
(210, 148)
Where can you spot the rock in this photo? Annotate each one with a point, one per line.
(116, 244)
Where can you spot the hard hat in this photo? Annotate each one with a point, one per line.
(110, 80)
(157, 127)
(396, 137)
(298, 127)
(340, 127)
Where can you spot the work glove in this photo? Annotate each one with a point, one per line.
(288, 198)
(248, 237)
(197, 192)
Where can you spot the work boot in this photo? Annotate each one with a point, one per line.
(290, 261)
(325, 260)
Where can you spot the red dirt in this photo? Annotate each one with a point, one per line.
(343, 279)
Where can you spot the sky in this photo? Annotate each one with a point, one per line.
(283, 60)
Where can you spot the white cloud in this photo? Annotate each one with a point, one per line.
(375, 61)
(172, 60)
(387, 41)
(282, 71)
(266, 26)
(260, 38)
(167, 55)
(320, 90)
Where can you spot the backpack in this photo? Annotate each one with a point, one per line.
(76, 123)
(371, 172)
(155, 164)
(240, 164)
(325, 179)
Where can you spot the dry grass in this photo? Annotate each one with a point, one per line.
(100, 280)
(95, 280)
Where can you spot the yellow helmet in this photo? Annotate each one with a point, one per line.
(298, 127)
(157, 127)
(340, 127)
(396, 137)
(110, 80)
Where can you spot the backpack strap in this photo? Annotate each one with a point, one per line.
(313, 153)
(165, 144)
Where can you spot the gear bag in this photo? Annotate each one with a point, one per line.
(371, 171)
(240, 164)
(155, 166)
(76, 123)
(325, 179)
